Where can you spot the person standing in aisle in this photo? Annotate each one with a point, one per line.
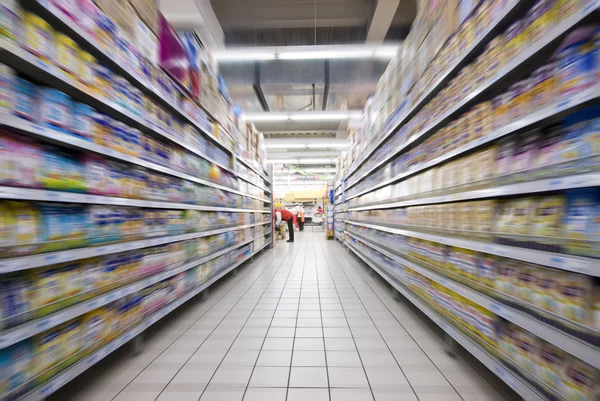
(283, 214)
(301, 218)
(320, 210)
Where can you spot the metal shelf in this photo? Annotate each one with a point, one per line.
(547, 113)
(43, 259)
(584, 351)
(500, 79)
(42, 195)
(29, 329)
(507, 376)
(58, 381)
(56, 18)
(546, 185)
(576, 264)
(37, 131)
(250, 165)
(441, 82)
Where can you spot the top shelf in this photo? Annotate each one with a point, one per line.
(51, 14)
(250, 165)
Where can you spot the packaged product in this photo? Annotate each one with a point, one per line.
(38, 37)
(525, 282)
(580, 380)
(543, 87)
(574, 297)
(518, 106)
(67, 55)
(509, 341)
(540, 19)
(575, 63)
(26, 231)
(523, 158)
(25, 96)
(103, 81)
(84, 125)
(50, 349)
(551, 361)
(10, 20)
(7, 82)
(16, 366)
(506, 149)
(19, 161)
(514, 39)
(105, 30)
(528, 349)
(547, 217)
(96, 174)
(95, 327)
(520, 223)
(596, 308)
(546, 289)
(505, 279)
(582, 225)
(73, 337)
(15, 300)
(65, 223)
(487, 269)
(87, 68)
(550, 145)
(503, 217)
(60, 171)
(121, 89)
(55, 109)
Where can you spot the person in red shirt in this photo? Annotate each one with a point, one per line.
(283, 214)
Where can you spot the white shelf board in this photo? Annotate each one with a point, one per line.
(545, 185)
(44, 259)
(584, 351)
(576, 264)
(251, 166)
(525, 55)
(58, 381)
(543, 114)
(515, 382)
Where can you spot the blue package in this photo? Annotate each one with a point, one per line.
(582, 220)
(15, 301)
(83, 121)
(55, 109)
(15, 366)
(25, 99)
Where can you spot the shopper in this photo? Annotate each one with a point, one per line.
(283, 214)
(301, 218)
(320, 210)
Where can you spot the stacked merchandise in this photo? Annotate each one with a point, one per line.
(477, 196)
(339, 208)
(120, 200)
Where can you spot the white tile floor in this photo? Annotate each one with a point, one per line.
(301, 322)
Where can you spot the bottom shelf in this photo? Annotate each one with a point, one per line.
(65, 377)
(517, 384)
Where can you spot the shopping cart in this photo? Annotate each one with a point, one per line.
(317, 220)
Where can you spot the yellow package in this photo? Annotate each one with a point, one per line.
(551, 361)
(596, 308)
(486, 324)
(548, 216)
(509, 341)
(468, 170)
(575, 293)
(86, 69)
(6, 226)
(468, 214)
(72, 333)
(38, 36)
(484, 165)
(67, 55)
(49, 286)
(528, 349)
(50, 349)
(95, 327)
(505, 279)
(525, 282)
(484, 215)
(546, 289)
(26, 230)
(579, 380)
(520, 223)
(487, 270)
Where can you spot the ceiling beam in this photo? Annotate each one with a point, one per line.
(382, 20)
(197, 15)
(326, 88)
(257, 89)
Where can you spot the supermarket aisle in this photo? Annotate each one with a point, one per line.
(302, 322)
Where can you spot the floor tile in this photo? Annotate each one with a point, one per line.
(281, 332)
(308, 358)
(219, 394)
(270, 377)
(347, 377)
(340, 344)
(274, 358)
(308, 344)
(278, 344)
(309, 332)
(265, 394)
(346, 394)
(240, 358)
(308, 394)
(232, 376)
(343, 358)
(308, 377)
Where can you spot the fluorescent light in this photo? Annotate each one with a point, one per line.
(323, 54)
(319, 170)
(304, 116)
(238, 55)
(266, 117)
(307, 145)
(301, 161)
(386, 52)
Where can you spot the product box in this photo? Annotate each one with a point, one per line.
(146, 41)
(121, 13)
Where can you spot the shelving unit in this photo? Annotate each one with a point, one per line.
(185, 239)
(397, 193)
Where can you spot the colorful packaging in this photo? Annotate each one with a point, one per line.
(87, 68)
(504, 156)
(528, 348)
(19, 161)
(50, 349)
(505, 279)
(582, 225)
(525, 282)
(546, 289)
(575, 63)
(16, 366)
(580, 380)
(548, 216)
(60, 171)
(523, 158)
(26, 230)
(550, 145)
(38, 37)
(7, 82)
(15, 301)
(543, 87)
(95, 327)
(487, 270)
(551, 362)
(84, 125)
(73, 337)
(25, 105)
(67, 54)
(10, 20)
(55, 109)
(574, 297)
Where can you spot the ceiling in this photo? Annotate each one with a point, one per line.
(297, 85)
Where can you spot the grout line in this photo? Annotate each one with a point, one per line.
(253, 269)
(321, 314)
(348, 323)
(353, 263)
(272, 318)
(244, 325)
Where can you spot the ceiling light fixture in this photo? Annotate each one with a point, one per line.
(302, 161)
(246, 56)
(306, 145)
(303, 116)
